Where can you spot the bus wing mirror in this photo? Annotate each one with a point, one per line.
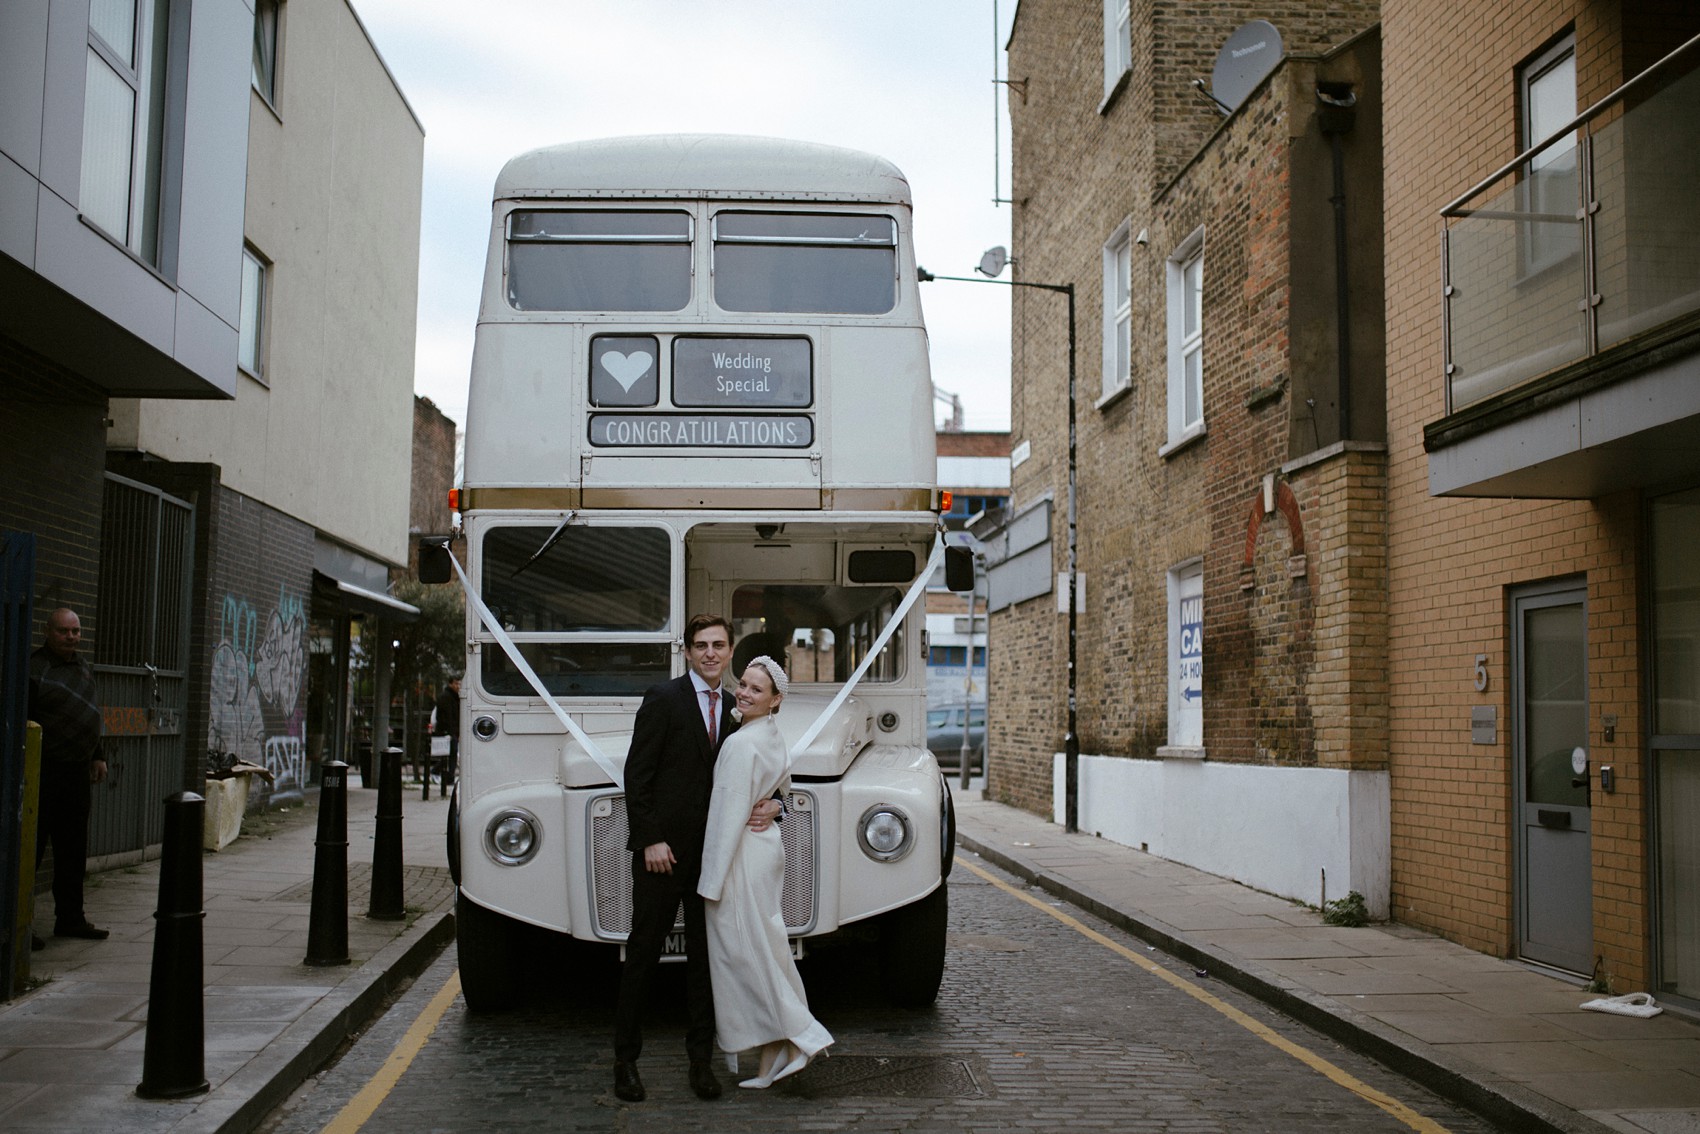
(434, 560)
(958, 569)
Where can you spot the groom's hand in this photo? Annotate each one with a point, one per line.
(763, 814)
(658, 858)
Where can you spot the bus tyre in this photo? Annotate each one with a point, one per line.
(912, 950)
(489, 947)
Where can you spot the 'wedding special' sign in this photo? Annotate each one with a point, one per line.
(737, 373)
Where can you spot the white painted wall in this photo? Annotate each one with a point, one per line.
(1276, 829)
(334, 177)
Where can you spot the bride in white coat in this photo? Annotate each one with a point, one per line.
(758, 996)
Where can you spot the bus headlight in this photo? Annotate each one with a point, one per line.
(512, 836)
(885, 833)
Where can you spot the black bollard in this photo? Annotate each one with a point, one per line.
(386, 847)
(327, 926)
(174, 1059)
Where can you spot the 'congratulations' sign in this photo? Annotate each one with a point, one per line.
(718, 431)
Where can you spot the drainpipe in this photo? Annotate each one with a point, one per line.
(1335, 118)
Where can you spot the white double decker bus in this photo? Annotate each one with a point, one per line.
(700, 384)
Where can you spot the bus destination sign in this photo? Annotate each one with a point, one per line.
(733, 373)
(712, 431)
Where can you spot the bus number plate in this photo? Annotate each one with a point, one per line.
(673, 948)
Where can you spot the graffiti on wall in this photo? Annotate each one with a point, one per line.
(256, 687)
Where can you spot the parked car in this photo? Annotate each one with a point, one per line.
(944, 736)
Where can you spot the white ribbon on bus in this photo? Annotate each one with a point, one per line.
(602, 759)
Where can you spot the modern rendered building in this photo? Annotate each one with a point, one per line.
(208, 246)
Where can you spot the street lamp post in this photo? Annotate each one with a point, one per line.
(991, 265)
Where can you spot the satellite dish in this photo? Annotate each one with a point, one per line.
(994, 261)
(1244, 61)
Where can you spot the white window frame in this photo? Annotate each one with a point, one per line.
(129, 213)
(268, 40)
(1118, 310)
(1118, 43)
(1546, 98)
(1186, 716)
(1185, 285)
(251, 335)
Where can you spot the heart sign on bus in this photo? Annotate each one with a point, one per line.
(623, 370)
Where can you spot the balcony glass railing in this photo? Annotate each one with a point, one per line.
(1581, 243)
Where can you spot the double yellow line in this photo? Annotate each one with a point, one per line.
(363, 1105)
(1256, 1027)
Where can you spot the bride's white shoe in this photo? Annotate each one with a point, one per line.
(766, 1078)
(798, 1062)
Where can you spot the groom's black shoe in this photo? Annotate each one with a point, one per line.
(703, 1081)
(627, 1084)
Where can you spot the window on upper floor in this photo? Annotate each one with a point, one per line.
(251, 322)
(1118, 42)
(1551, 188)
(124, 123)
(1118, 310)
(1186, 339)
(266, 13)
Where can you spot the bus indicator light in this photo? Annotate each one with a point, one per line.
(944, 500)
(454, 499)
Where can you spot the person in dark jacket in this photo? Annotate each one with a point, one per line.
(62, 701)
(446, 722)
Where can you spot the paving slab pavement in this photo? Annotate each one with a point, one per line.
(71, 1048)
(1500, 1037)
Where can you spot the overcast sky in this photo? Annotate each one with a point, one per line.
(909, 80)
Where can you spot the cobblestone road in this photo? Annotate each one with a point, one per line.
(1038, 1028)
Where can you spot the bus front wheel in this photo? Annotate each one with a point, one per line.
(490, 956)
(912, 950)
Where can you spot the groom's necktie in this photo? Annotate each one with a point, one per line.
(713, 715)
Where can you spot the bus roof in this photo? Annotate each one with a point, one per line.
(702, 165)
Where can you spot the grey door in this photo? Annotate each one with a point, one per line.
(1553, 776)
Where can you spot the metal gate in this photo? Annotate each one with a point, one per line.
(141, 660)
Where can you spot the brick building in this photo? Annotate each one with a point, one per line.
(1543, 419)
(1230, 457)
(1467, 586)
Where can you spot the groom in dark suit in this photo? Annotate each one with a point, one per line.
(669, 775)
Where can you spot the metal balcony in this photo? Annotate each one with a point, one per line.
(1572, 304)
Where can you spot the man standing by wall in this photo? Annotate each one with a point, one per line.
(62, 701)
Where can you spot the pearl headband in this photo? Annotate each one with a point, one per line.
(781, 683)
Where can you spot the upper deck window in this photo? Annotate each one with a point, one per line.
(821, 263)
(599, 260)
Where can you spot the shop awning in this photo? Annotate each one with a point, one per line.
(362, 600)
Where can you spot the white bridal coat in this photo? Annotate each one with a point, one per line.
(758, 996)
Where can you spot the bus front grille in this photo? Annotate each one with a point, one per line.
(611, 865)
